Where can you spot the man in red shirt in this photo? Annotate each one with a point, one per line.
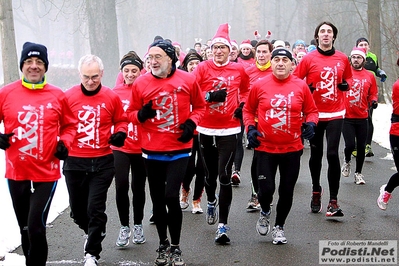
(273, 115)
(168, 105)
(363, 93)
(326, 71)
(35, 114)
(89, 169)
(224, 85)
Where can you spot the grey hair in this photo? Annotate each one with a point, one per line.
(89, 59)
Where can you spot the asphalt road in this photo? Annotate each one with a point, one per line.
(363, 220)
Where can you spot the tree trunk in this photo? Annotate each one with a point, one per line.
(374, 22)
(103, 35)
(9, 52)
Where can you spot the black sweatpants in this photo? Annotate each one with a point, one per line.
(164, 180)
(332, 129)
(125, 162)
(218, 155)
(31, 210)
(288, 165)
(355, 133)
(394, 180)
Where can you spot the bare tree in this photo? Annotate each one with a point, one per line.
(103, 35)
(9, 52)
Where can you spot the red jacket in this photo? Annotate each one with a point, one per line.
(219, 118)
(96, 115)
(255, 74)
(325, 73)
(132, 142)
(280, 106)
(37, 117)
(171, 98)
(363, 90)
(394, 130)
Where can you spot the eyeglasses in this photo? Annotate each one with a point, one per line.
(156, 57)
(221, 47)
(30, 62)
(94, 78)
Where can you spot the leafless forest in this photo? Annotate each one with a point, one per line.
(110, 28)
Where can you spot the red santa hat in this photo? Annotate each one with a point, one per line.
(246, 43)
(222, 35)
(359, 51)
(234, 43)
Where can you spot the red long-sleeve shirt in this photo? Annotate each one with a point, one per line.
(37, 117)
(172, 98)
(394, 130)
(362, 91)
(96, 115)
(325, 73)
(132, 141)
(219, 117)
(280, 107)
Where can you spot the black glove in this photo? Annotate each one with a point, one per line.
(216, 96)
(188, 128)
(252, 135)
(343, 86)
(61, 151)
(5, 140)
(381, 73)
(238, 111)
(311, 88)
(117, 139)
(374, 104)
(308, 130)
(146, 112)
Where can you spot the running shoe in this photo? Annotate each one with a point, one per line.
(263, 223)
(175, 258)
(346, 169)
(333, 209)
(221, 235)
(138, 234)
(235, 178)
(253, 203)
(184, 198)
(315, 203)
(124, 236)
(163, 255)
(359, 179)
(197, 207)
(90, 260)
(369, 151)
(278, 235)
(383, 199)
(212, 212)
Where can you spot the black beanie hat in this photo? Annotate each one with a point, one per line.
(167, 47)
(362, 39)
(282, 52)
(30, 49)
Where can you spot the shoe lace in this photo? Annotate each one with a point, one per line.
(176, 256)
(124, 233)
(223, 229)
(316, 198)
(333, 205)
(386, 197)
(279, 232)
(211, 209)
(138, 230)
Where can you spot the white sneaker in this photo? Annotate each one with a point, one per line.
(383, 199)
(124, 236)
(90, 260)
(359, 179)
(197, 207)
(138, 234)
(263, 223)
(346, 169)
(184, 198)
(278, 235)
